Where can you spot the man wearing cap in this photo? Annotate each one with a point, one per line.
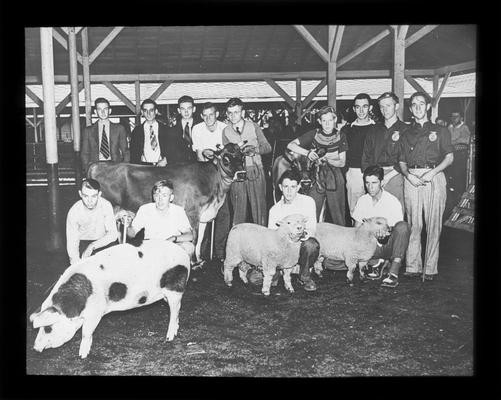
(426, 152)
(253, 189)
(383, 146)
(356, 133)
(148, 141)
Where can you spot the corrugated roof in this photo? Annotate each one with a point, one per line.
(259, 91)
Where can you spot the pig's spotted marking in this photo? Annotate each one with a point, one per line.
(73, 294)
(142, 300)
(101, 266)
(140, 254)
(47, 329)
(117, 291)
(175, 278)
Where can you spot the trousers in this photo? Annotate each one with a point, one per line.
(354, 187)
(253, 190)
(428, 199)
(335, 199)
(221, 230)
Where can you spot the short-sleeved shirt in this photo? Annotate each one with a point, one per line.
(161, 225)
(302, 204)
(355, 135)
(387, 206)
(316, 139)
(383, 145)
(85, 224)
(203, 138)
(425, 145)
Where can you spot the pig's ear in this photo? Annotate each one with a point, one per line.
(364, 220)
(46, 317)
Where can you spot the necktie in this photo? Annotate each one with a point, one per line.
(153, 139)
(186, 134)
(105, 147)
(238, 130)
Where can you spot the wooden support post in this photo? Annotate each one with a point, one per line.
(437, 94)
(399, 68)
(86, 76)
(75, 104)
(54, 242)
(35, 124)
(137, 88)
(331, 70)
(299, 104)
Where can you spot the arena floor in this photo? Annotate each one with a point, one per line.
(414, 329)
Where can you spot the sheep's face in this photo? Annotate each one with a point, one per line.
(293, 226)
(379, 226)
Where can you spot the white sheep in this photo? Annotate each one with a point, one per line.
(351, 245)
(267, 249)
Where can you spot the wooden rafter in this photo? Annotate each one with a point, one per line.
(312, 42)
(456, 68)
(419, 34)
(67, 99)
(34, 97)
(163, 86)
(402, 31)
(415, 84)
(316, 90)
(120, 95)
(104, 43)
(64, 42)
(308, 109)
(436, 98)
(336, 45)
(363, 47)
(281, 92)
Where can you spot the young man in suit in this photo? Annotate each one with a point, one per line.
(104, 140)
(148, 141)
(180, 142)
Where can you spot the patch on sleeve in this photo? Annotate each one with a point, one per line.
(73, 294)
(175, 278)
(117, 291)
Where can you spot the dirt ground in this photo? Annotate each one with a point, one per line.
(414, 329)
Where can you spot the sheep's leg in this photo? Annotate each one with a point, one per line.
(287, 280)
(352, 265)
(268, 272)
(361, 270)
(243, 268)
(229, 265)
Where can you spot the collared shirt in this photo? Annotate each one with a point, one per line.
(427, 144)
(387, 206)
(459, 134)
(106, 124)
(85, 224)
(383, 145)
(150, 155)
(355, 135)
(302, 204)
(203, 138)
(161, 225)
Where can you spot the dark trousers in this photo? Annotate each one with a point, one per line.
(84, 243)
(397, 243)
(308, 254)
(221, 230)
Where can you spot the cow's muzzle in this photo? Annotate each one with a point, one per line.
(305, 184)
(240, 176)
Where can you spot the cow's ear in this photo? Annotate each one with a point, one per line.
(44, 318)
(249, 150)
(226, 160)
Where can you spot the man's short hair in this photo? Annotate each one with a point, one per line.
(234, 101)
(208, 105)
(424, 95)
(326, 110)
(101, 100)
(149, 101)
(185, 99)
(374, 170)
(291, 174)
(161, 184)
(388, 95)
(361, 96)
(90, 183)
(457, 112)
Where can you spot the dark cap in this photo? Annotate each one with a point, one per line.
(388, 95)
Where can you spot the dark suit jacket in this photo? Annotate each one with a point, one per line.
(137, 142)
(89, 151)
(178, 149)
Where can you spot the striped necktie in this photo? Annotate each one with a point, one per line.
(153, 139)
(105, 147)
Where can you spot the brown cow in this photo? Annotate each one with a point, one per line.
(200, 188)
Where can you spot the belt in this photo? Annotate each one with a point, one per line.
(430, 166)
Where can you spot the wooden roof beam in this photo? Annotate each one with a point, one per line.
(363, 47)
(104, 43)
(436, 98)
(120, 95)
(281, 92)
(456, 68)
(415, 84)
(336, 45)
(163, 86)
(64, 42)
(418, 35)
(314, 92)
(312, 42)
(34, 97)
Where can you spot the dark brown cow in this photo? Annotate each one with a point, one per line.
(200, 188)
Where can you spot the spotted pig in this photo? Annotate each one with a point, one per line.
(118, 278)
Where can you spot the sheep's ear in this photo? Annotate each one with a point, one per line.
(305, 220)
(278, 223)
